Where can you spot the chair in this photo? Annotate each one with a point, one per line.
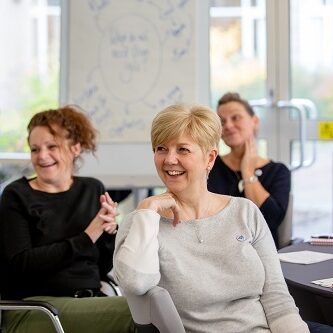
(155, 312)
(50, 310)
(108, 286)
(10, 305)
(285, 228)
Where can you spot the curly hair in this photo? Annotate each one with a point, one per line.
(72, 120)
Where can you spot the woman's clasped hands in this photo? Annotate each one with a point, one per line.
(105, 220)
(108, 213)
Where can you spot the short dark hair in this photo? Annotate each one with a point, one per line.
(235, 97)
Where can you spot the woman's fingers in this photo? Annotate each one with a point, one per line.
(110, 228)
(107, 217)
(251, 146)
(176, 216)
(109, 199)
(248, 162)
(169, 202)
(109, 209)
(109, 204)
(160, 203)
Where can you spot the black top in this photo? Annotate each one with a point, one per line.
(44, 249)
(274, 177)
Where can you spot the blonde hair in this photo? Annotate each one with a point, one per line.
(197, 121)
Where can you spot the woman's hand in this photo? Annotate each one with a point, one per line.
(248, 163)
(105, 220)
(161, 203)
(109, 213)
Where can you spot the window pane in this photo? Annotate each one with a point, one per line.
(311, 78)
(312, 53)
(29, 66)
(238, 48)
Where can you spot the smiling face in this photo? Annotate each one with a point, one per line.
(238, 125)
(182, 165)
(52, 156)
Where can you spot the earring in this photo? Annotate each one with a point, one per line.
(208, 171)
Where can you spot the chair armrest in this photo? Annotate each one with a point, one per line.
(156, 307)
(110, 286)
(48, 308)
(25, 304)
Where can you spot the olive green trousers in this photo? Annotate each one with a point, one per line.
(77, 315)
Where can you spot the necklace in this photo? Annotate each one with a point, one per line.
(195, 220)
(197, 233)
(240, 182)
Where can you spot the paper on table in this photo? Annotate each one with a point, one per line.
(305, 257)
(324, 282)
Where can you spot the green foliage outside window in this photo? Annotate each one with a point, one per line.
(38, 95)
(317, 87)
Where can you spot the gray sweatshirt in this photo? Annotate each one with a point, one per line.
(222, 272)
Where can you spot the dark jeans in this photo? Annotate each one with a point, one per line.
(315, 327)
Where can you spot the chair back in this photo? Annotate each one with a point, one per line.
(155, 312)
(285, 229)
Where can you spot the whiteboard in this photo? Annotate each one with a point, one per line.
(128, 60)
(125, 60)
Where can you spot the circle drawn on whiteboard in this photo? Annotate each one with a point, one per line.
(130, 58)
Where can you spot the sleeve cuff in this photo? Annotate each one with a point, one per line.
(292, 323)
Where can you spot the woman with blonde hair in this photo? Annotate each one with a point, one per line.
(213, 253)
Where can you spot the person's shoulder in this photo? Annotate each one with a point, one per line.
(219, 169)
(18, 188)
(240, 203)
(243, 201)
(243, 209)
(88, 181)
(277, 166)
(248, 205)
(16, 185)
(219, 161)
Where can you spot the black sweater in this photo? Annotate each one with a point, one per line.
(44, 249)
(275, 178)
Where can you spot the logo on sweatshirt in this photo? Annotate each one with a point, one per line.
(241, 238)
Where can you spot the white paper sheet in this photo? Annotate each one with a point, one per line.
(305, 257)
(328, 283)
